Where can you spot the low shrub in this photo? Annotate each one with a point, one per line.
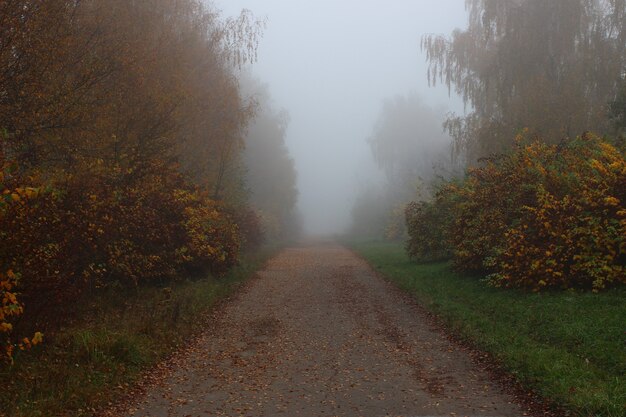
(573, 232)
(106, 228)
(428, 225)
(542, 216)
(213, 239)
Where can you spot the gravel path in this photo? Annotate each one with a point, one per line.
(318, 333)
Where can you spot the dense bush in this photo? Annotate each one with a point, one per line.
(428, 224)
(573, 232)
(213, 238)
(542, 216)
(75, 235)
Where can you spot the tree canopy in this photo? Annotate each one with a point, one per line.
(550, 66)
(270, 171)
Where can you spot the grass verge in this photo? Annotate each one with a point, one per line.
(121, 333)
(569, 347)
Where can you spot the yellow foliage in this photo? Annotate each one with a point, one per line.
(575, 226)
(113, 154)
(543, 216)
(10, 306)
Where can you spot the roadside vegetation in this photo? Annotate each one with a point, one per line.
(113, 338)
(124, 173)
(568, 346)
(538, 217)
(518, 239)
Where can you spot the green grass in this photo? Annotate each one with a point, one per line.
(120, 334)
(569, 347)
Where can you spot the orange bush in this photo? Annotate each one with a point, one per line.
(10, 307)
(213, 239)
(543, 216)
(488, 202)
(573, 234)
(89, 231)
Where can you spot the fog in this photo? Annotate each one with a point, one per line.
(331, 65)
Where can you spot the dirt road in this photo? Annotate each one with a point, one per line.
(318, 333)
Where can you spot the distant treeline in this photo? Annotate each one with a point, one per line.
(123, 129)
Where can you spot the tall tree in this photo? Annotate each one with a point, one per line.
(618, 111)
(408, 143)
(126, 84)
(271, 175)
(410, 148)
(550, 66)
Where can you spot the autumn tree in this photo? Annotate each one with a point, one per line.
(617, 111)
(270, 171)
(370, 213)
(551, 66)
(217, 113)
(410, 147)
(408, 143)
(129, 117)
(124, 82)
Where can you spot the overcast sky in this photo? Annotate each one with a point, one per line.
(330, 64)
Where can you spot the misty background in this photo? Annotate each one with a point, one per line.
(332, 65)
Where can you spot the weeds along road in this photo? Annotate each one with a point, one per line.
(318, 333)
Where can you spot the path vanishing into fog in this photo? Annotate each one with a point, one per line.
(319, 333)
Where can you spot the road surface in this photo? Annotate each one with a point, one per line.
(319, 333)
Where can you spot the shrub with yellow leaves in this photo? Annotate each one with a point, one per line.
(573, 232)
(108, 227)
(10, 307)
(213, 239)
(543, 216)
(489, 201)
